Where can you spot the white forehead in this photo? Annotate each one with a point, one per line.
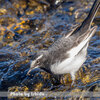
(39, 57)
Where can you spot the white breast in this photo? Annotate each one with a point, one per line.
(71, 64)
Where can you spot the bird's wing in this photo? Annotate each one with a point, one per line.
(82, 41)
(70, 33)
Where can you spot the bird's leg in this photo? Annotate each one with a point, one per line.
(73, 78)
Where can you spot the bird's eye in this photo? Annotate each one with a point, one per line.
(38, 61)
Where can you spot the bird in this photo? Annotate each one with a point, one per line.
(68, 53)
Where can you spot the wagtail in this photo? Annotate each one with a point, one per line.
(68, 53)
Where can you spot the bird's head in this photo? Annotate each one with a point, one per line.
(37, 63)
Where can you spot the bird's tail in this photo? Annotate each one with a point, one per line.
(87, 22)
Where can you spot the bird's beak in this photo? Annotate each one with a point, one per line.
(31, 70)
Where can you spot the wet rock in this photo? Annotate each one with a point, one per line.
(3, 11)
(27, 26)
(8, 37)
(38, 81)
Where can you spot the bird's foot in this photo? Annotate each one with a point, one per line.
(72, 84)
(73, 79)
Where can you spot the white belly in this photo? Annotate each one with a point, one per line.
(68, 66)
(71, 64)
